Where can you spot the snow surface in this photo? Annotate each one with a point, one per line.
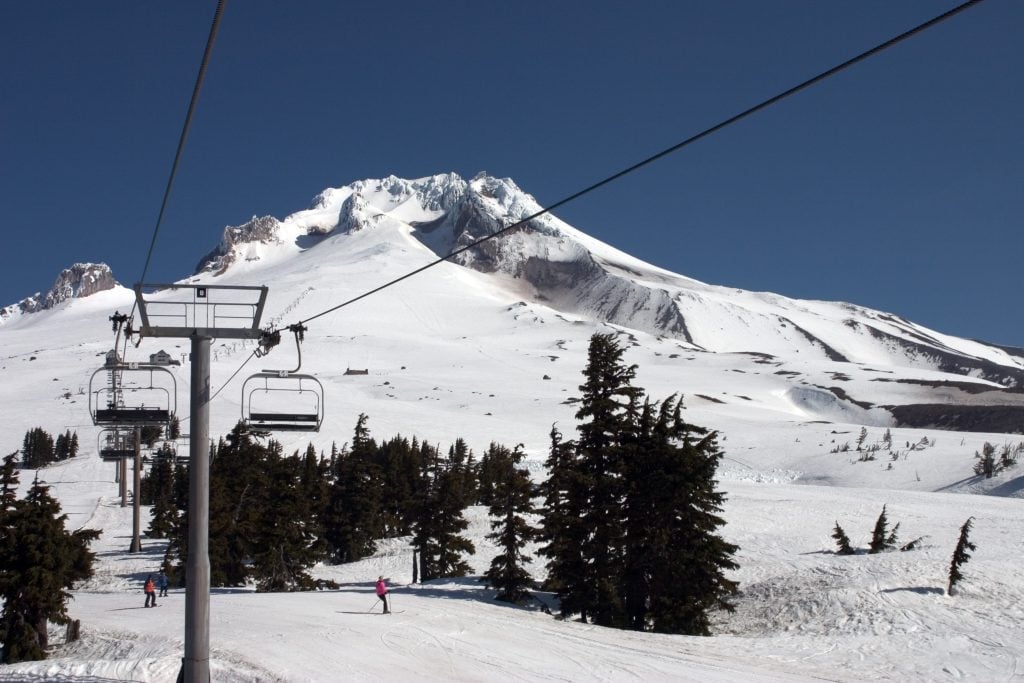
(457, 353)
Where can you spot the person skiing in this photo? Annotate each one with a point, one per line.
(150, 590)
(161, 583)
(382, 593)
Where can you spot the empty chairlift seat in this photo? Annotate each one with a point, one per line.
(281, 401)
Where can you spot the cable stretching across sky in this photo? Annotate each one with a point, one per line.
(665, 152)
(620, 174)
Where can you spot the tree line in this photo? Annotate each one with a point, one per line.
(628, 514)
(627, 518)
(39, 448)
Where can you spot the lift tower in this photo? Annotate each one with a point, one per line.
(200, 313)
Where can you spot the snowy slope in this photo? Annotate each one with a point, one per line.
(803, 614)
(491, 348)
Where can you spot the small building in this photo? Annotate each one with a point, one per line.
(350, 371)
(161, 357)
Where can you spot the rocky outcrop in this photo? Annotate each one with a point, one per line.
(262, 229)
(77, 282)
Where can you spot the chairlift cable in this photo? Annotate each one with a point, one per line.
(184, 136)
(669, 150)
(233, 375)
(637, 166)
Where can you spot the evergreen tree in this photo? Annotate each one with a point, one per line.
(37, 448)
(487, 474)
(882, 538)
(174, 429)
(285, 544)
(842, 541)
(562, 533)
(510, 529)
(150, 434)
(158, 491)
(440, 520)
(862, 437)
(73, 446)
(401, 480)
(176, 554)
(239, 492)
(353, 520)
(606, 394)
(986, 461)
(632, 511)
(35, 580)
(62, 446)
(463, 484)
(313, 487)
(9, 542)
(960, 555)
(690, 558)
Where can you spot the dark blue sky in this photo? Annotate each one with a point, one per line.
(898, 184)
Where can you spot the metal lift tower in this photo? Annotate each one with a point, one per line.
(201, 313)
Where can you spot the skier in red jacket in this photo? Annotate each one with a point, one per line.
(382, 593)
(150, 589)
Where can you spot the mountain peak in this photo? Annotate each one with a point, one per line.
(75, 282)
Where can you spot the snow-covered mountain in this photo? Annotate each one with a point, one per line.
(490, 347)
(549, 263)
(78, 281)
(831, 359)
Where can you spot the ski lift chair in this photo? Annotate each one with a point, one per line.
(269, 400)
(162, 397)
(115, 445)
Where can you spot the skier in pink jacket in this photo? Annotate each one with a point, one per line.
(382, 593)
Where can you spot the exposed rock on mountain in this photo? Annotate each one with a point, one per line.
(77, 282)
(262, 230)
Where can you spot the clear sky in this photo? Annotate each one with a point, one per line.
(898, 184)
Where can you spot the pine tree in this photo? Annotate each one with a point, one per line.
(174, 429)
(440, 520)
(986, 461)
(688, 575)
(463, 484)
(510, 529)
(842, 541)
(285, 542)
(176, 554)
(239, 483)
(150, 434)
(562, 532)
(632, 511)
(36, 579)
(158, 491)
(62, 446)
(880, 537)
(606, 394)
(37, 448)
(313, 487)
(353, 520)
(960, 555)
(862, 437)
(398, 463)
